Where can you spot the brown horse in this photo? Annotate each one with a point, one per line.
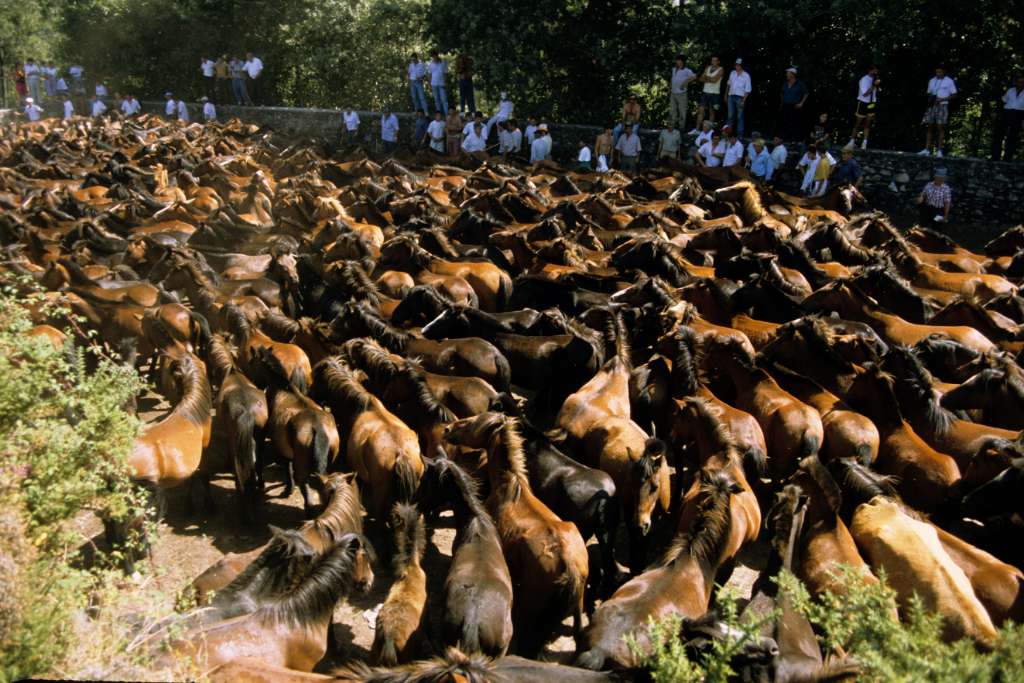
(380, 448)
(997, 392)
(547, 557)
(292, 358)
(397, 634)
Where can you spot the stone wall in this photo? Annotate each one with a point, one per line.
(985, 193)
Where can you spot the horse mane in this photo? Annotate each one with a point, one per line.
(660, 291)
(444, 244)
(722, 438)
(453, 666)
(337, 380)
(686, 374)
(840, 244)
(196, 399)
(372, 358)
(237, 322)
(469, 488)
(817, 334)
(427, 403)
(773, 276)
(718, 293)
(919, 380)
(390, 337)
(355, 281)
(514, 451)
(884, 408)
(314, 599)
(861, 484)
(343, 512)
(883, 271)
(946, 241)
(410, 537)
(709, 533)
(278, 325)
(220, 356)
(284, 552)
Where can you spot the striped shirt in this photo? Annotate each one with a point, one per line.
(937, 195)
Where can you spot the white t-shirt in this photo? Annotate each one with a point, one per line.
(707, 152)
(351, 120)
(942, 88)
(474, 143)
(681, 78)
(417, 70)
(436, 133)
(209, 111)
(389, 128)
(1013, 99)
(206, 66)
(505, 108)
(33, 111)
(585, 155)
(253, 67)
(437, 71)
(779, 155)
(864, 91)
(739, 84)
(101, 90)
(702, 137)
(31, 70)
(531, 133)
(98, 108)
(130, 107)
(182, 110)
(716, 87)
(171, 108)
(540, 149)
(69, 109)
(733, 153)
(76, 71)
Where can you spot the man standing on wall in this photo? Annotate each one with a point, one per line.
(223, 80)
(739, 89)
(415, 73)
(254, 70)
(464, 72)
(794, 96)
(389, 131)
(206, 67)
(1011, 119)
(438, 69)
(941, 89)
(235, 68)
(867, 99)
(540, 150)
(711, 94)
(682, 76)
(351, 121)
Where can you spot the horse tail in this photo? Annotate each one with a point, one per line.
(504, 373)
(199, 331)
(298, 380)
(408, 481)
(245, 449)
(470, 640)
(755, 463)
(504, 291)
(809, 445)
(592, 659)
(321, 449)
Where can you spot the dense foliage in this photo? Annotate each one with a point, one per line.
(571, 61)
(64, 440)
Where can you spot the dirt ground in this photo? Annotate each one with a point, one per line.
(187, 544)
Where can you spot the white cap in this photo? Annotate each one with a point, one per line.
(204, 98)
(791, 69)
(542, 126)
(739, 60)
(29, 100)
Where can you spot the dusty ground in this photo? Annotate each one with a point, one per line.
(188, 544)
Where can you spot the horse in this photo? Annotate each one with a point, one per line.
(547, 556)
(250, 339)
(397, 632)
(379, 447)
(997, 393)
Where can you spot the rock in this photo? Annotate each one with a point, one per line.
(902, 178)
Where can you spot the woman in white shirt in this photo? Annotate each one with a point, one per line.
(941, 89)
(171, 108)
(475, 141)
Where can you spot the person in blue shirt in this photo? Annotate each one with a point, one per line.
(420, 131)
(848, 171)
(761, 165)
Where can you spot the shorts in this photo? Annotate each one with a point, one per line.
(711, 100)
(937, 114)
(865, 109)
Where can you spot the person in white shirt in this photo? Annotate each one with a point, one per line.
(711, 94)
(69, 107)
(476, 140)
(209, 111)
(540, 149)
(478, 118)
(438, 68)
(711, 152)
(415, 72)
(531, 129)
(867, 100)
(183, 111)
(32, 74)
(101, 90)
(514, 139)
(628, 148)
(389, 131)
(32, 110)
(739, 89)
(681, 78)
(351, 121)
(130, 106)
(171, 106)
(779, 153)
(98, 108)
(584, 158)
(751, 153)
(733, 148)
(435, 131)
(707, 128)
(206, 66)
(505, 109)
(62, 86)
(1010, 122)
(77, 74)
(254, 70)
(941, 89)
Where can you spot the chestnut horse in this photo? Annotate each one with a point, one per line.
(397, 634)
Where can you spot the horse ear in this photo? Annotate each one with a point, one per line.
(275, 531)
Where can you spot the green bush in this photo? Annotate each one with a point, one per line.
(65, 437)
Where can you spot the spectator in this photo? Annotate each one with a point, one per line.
(711, 94)
(583, 159)
(739, 89)
(669, 142)
(32, 77)
(101, 90)
(237, 72)
(49, 73)
(223, 79)
(32, 110)
(476, 141)
(419, 133)
(183, 111)
(20, 85)
(171, 106)
(935, 201)
(130, 106)
(779, 153)
(77, 73)
(351, 121)
(438, 68)
(707, 128)
(750, 146)
(941, 89)
(1010, 122)
(117, 102)
(848, 171)
(603, 146)
(867, 100)
(681, 78)
(808, 165)
(207, 67)
(98, 108)
(531, 129)
(453, 129)
(464, 72)
(761, 166)
(733, 148)
(794, 96)
(416, 71)
(209, 111)
(505, 109)
(514, 141)
(389, 131)
(711, 152)
(630, 117)
(628, 147)
(62, 87)
(478, 117)
(69, 107)
(540, 150)
(435, 132)
(254, 70)
(822, 131)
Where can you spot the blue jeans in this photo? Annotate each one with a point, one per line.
(467, 98)
(33, 87)
(419, 97)
(440, 99)
(736, 114)
(238, 89)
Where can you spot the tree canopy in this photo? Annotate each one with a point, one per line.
(573, 61)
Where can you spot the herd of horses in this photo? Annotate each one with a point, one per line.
(674, 364)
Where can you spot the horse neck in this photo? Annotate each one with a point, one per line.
(505, 465)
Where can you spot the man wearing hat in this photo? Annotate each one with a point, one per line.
(935, 201)
(541, 147)
(761, 166)
(794, 96)
(209, 111)
(32, 110)
(739, 89)
(848, 171)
